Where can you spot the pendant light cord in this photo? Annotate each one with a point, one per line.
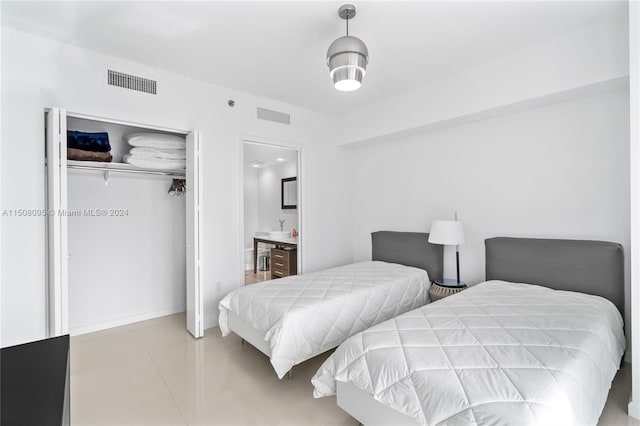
(347, 24)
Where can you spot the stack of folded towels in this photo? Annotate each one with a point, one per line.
(83, 146)
(156, 151)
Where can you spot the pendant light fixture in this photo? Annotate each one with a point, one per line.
(347, 56)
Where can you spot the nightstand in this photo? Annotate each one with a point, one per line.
(443, 288)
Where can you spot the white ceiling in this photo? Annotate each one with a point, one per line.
(277, 49)
(267, 155)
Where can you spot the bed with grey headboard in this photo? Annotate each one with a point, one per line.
(591, 267)
(295, 318)
(408, 248)
(501, 351)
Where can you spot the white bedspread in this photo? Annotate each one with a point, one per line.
(496, 353)
(305, 315)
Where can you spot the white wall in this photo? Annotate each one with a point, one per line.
(558, 171)
(124, 268)
(269, 198)
(577, 59)
(39, 73)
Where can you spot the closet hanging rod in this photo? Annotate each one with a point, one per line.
(109, 167)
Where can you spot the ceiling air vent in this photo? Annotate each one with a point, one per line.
(128, 81)
(270, 115)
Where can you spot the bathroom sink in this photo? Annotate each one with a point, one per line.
(280, 234)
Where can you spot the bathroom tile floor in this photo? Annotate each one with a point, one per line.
(251, 278)
(154, 373)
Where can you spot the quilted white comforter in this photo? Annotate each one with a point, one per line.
(496, 353)
(305, 315)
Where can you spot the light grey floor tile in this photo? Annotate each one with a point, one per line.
(155, 373)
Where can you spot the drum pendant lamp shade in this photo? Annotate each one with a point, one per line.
(347, 57)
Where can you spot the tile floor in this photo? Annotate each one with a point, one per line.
(251, 278)
(155, 373)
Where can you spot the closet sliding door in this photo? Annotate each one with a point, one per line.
(57, 226)
(194, 196)
(58, 252)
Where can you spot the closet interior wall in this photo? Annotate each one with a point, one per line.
(130, 264)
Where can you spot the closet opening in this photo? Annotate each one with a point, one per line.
(272, 211)
(123, 225)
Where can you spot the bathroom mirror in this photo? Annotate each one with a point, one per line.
(289, 191)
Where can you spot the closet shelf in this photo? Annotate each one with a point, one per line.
(121, 167)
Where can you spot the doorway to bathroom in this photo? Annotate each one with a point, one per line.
(271, 195)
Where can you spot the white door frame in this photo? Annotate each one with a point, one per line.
(300, 148)
(194, 217)
(56, 224)
(57, 256)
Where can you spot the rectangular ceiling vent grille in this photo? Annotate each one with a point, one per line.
(271, 115)
(128, 81)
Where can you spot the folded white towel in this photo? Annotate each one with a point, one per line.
(156, 140)
(170, 154)
(154, 163)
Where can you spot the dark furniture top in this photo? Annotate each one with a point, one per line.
(268, 240)
(35, 383)
(408, 248)
(591, 267)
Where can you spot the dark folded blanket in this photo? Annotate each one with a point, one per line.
(96, 142)
(82, 155)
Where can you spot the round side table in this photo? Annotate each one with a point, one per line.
(441, 289)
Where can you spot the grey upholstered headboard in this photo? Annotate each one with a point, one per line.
(408, 248)
(592, 267)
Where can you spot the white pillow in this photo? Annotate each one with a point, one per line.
(170, 154)
(156, 140)
(157, 163)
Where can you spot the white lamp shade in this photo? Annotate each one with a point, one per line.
(446, 232)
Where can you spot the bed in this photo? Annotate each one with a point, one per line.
(538, 343)
(295, 318)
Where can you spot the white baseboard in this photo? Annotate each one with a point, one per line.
(124, 321)
(634, 409)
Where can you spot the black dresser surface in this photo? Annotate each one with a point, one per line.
(35, 383)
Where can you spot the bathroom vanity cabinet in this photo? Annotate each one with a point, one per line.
(284, 262)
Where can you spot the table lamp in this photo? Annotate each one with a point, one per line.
(449, 233)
